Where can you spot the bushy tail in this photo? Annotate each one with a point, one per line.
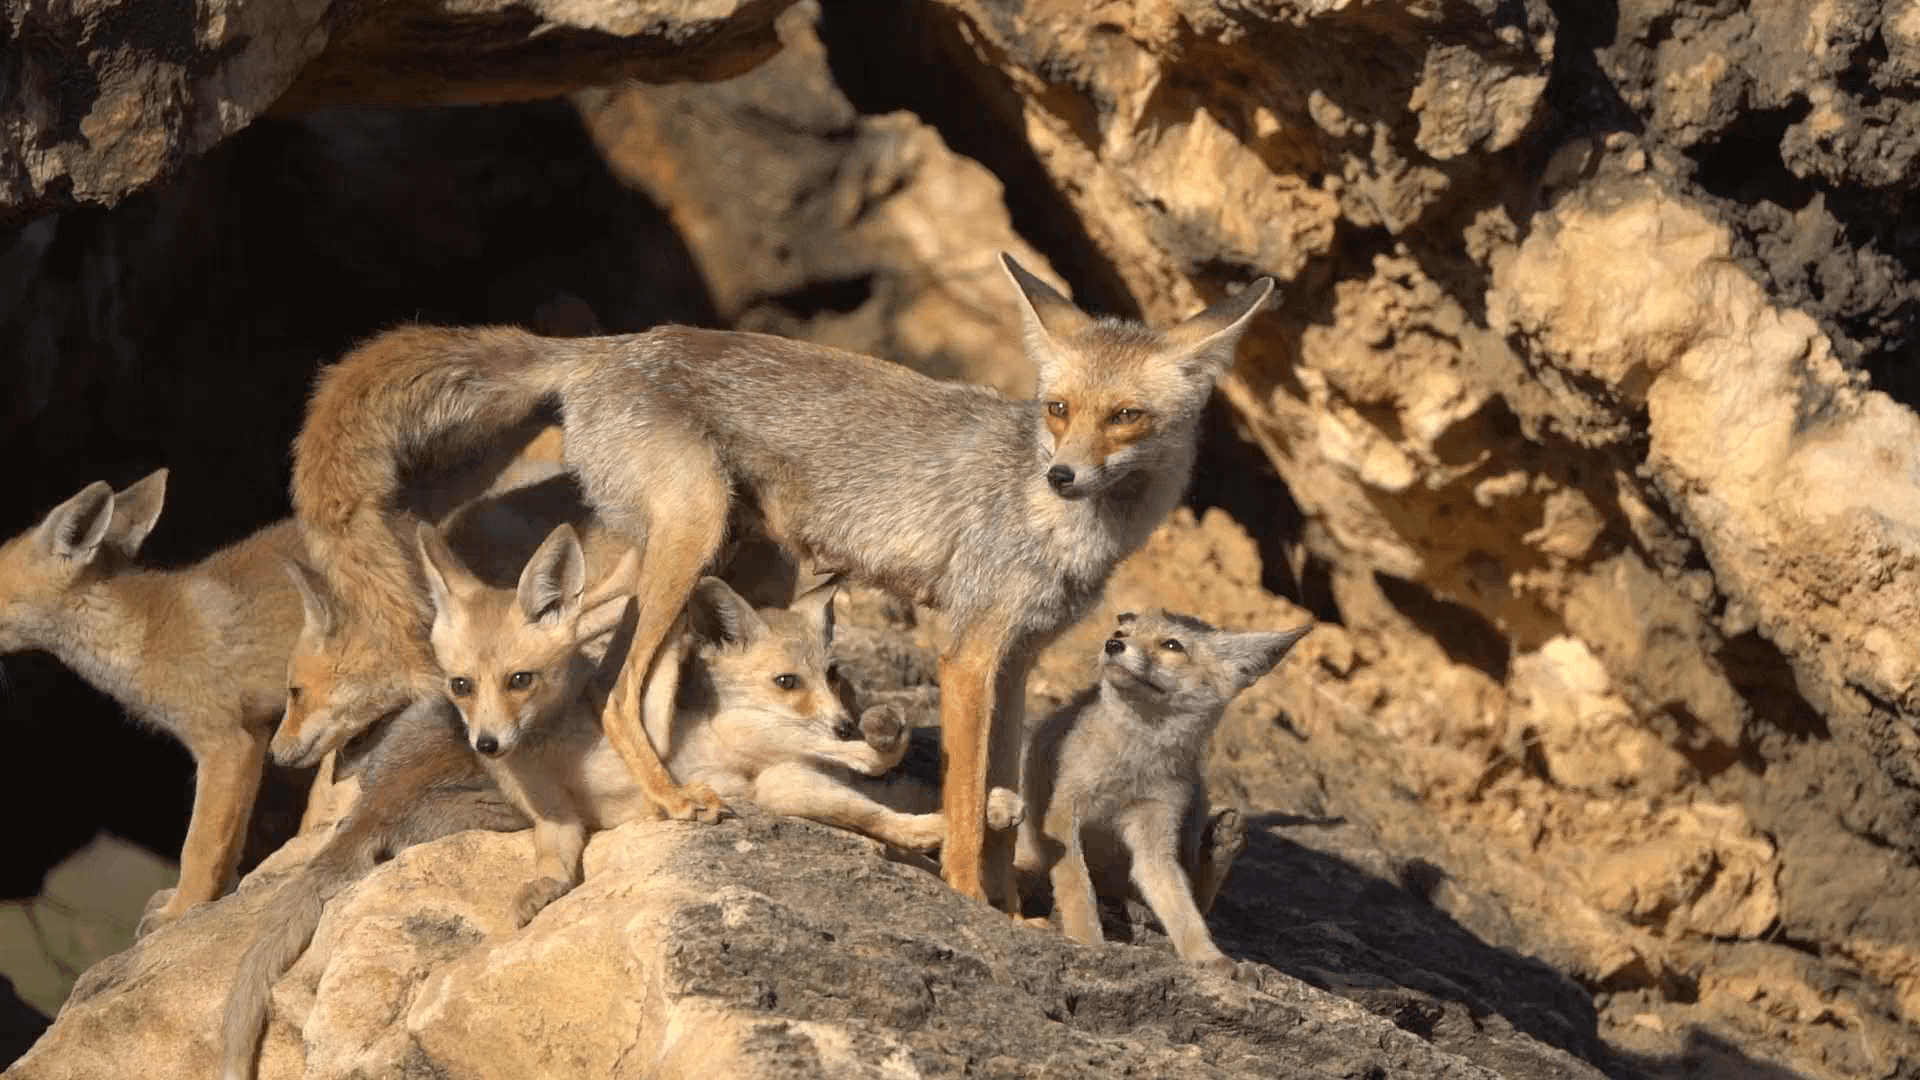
(290, 918)
(409, 398)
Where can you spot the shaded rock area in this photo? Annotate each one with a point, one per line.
(1584, 427)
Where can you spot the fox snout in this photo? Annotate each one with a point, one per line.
(1115, 646)
(1060, 478)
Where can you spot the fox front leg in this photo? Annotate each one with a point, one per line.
(557, 847)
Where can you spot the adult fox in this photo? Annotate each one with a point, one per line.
(1006, 515)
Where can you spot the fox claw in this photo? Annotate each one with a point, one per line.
(157, 913)
(1005, 809)
(534, 897)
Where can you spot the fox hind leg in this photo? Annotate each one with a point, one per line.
(683, 501)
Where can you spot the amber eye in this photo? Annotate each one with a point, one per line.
(520, 680)
(1124, 416)
(1173, 645)
(459, 686)
(1057, 409)
(787, 681)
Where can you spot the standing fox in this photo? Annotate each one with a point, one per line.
(1006, 515)
(1112, 780)
(200, 652)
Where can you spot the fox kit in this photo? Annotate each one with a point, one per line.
(761, 711)
(1006, 515)
(1112, 780)
(199, 652)
(785, 739)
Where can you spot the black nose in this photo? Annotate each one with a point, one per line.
(487, 745)
(847, 729)
(1061, 477)
(1115, 646)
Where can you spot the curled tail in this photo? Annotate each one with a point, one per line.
(290, 918)
(410, 397)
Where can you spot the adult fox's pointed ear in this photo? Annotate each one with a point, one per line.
(135, 511)
(75, 529)
(1208, 339)
(1046, 317)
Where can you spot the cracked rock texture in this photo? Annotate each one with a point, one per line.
(1584, 426)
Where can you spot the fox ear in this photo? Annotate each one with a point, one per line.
(816, 606)
(555, 578)
(315, 598)
(1045, 315)
(718, 614)
(439, 565)
(1209, 338)
(135, 511)
(74, 529)
(1255, 654)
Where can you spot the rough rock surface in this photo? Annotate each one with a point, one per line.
(754, 948)
(103, 98)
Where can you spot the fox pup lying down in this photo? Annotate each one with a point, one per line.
(760, 714)
(1112, 779)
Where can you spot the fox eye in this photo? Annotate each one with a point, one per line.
(1057, 409)
(1173, 645)
(1125, 416)
(520, 680)
(786, 681)
(460, 686)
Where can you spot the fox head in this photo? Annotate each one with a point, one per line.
(1119, 398)
(1168, 665)
(343, 676)
(83, 540)
(775, 692)
(513, 661)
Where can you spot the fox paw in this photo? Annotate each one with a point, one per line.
(1005, 809)
(534, 897)
(883, 727)
(1226, 836)
(1240, 971)
(695, 802)
(158, 912)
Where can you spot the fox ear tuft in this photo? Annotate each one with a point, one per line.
(1209, 338)
(1255, 654)
(135, 512)
(75, 529)
(1046, 317)
(719, 615)
(555, 577)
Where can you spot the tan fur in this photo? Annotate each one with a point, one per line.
(196, 652)
(944, 494)
(1113, 779)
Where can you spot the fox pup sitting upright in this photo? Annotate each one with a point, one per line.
(762, 712)
(1112, 779)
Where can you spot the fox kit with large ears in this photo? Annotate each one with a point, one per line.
(199, 652)
(1008, 516)
(1113, 781)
